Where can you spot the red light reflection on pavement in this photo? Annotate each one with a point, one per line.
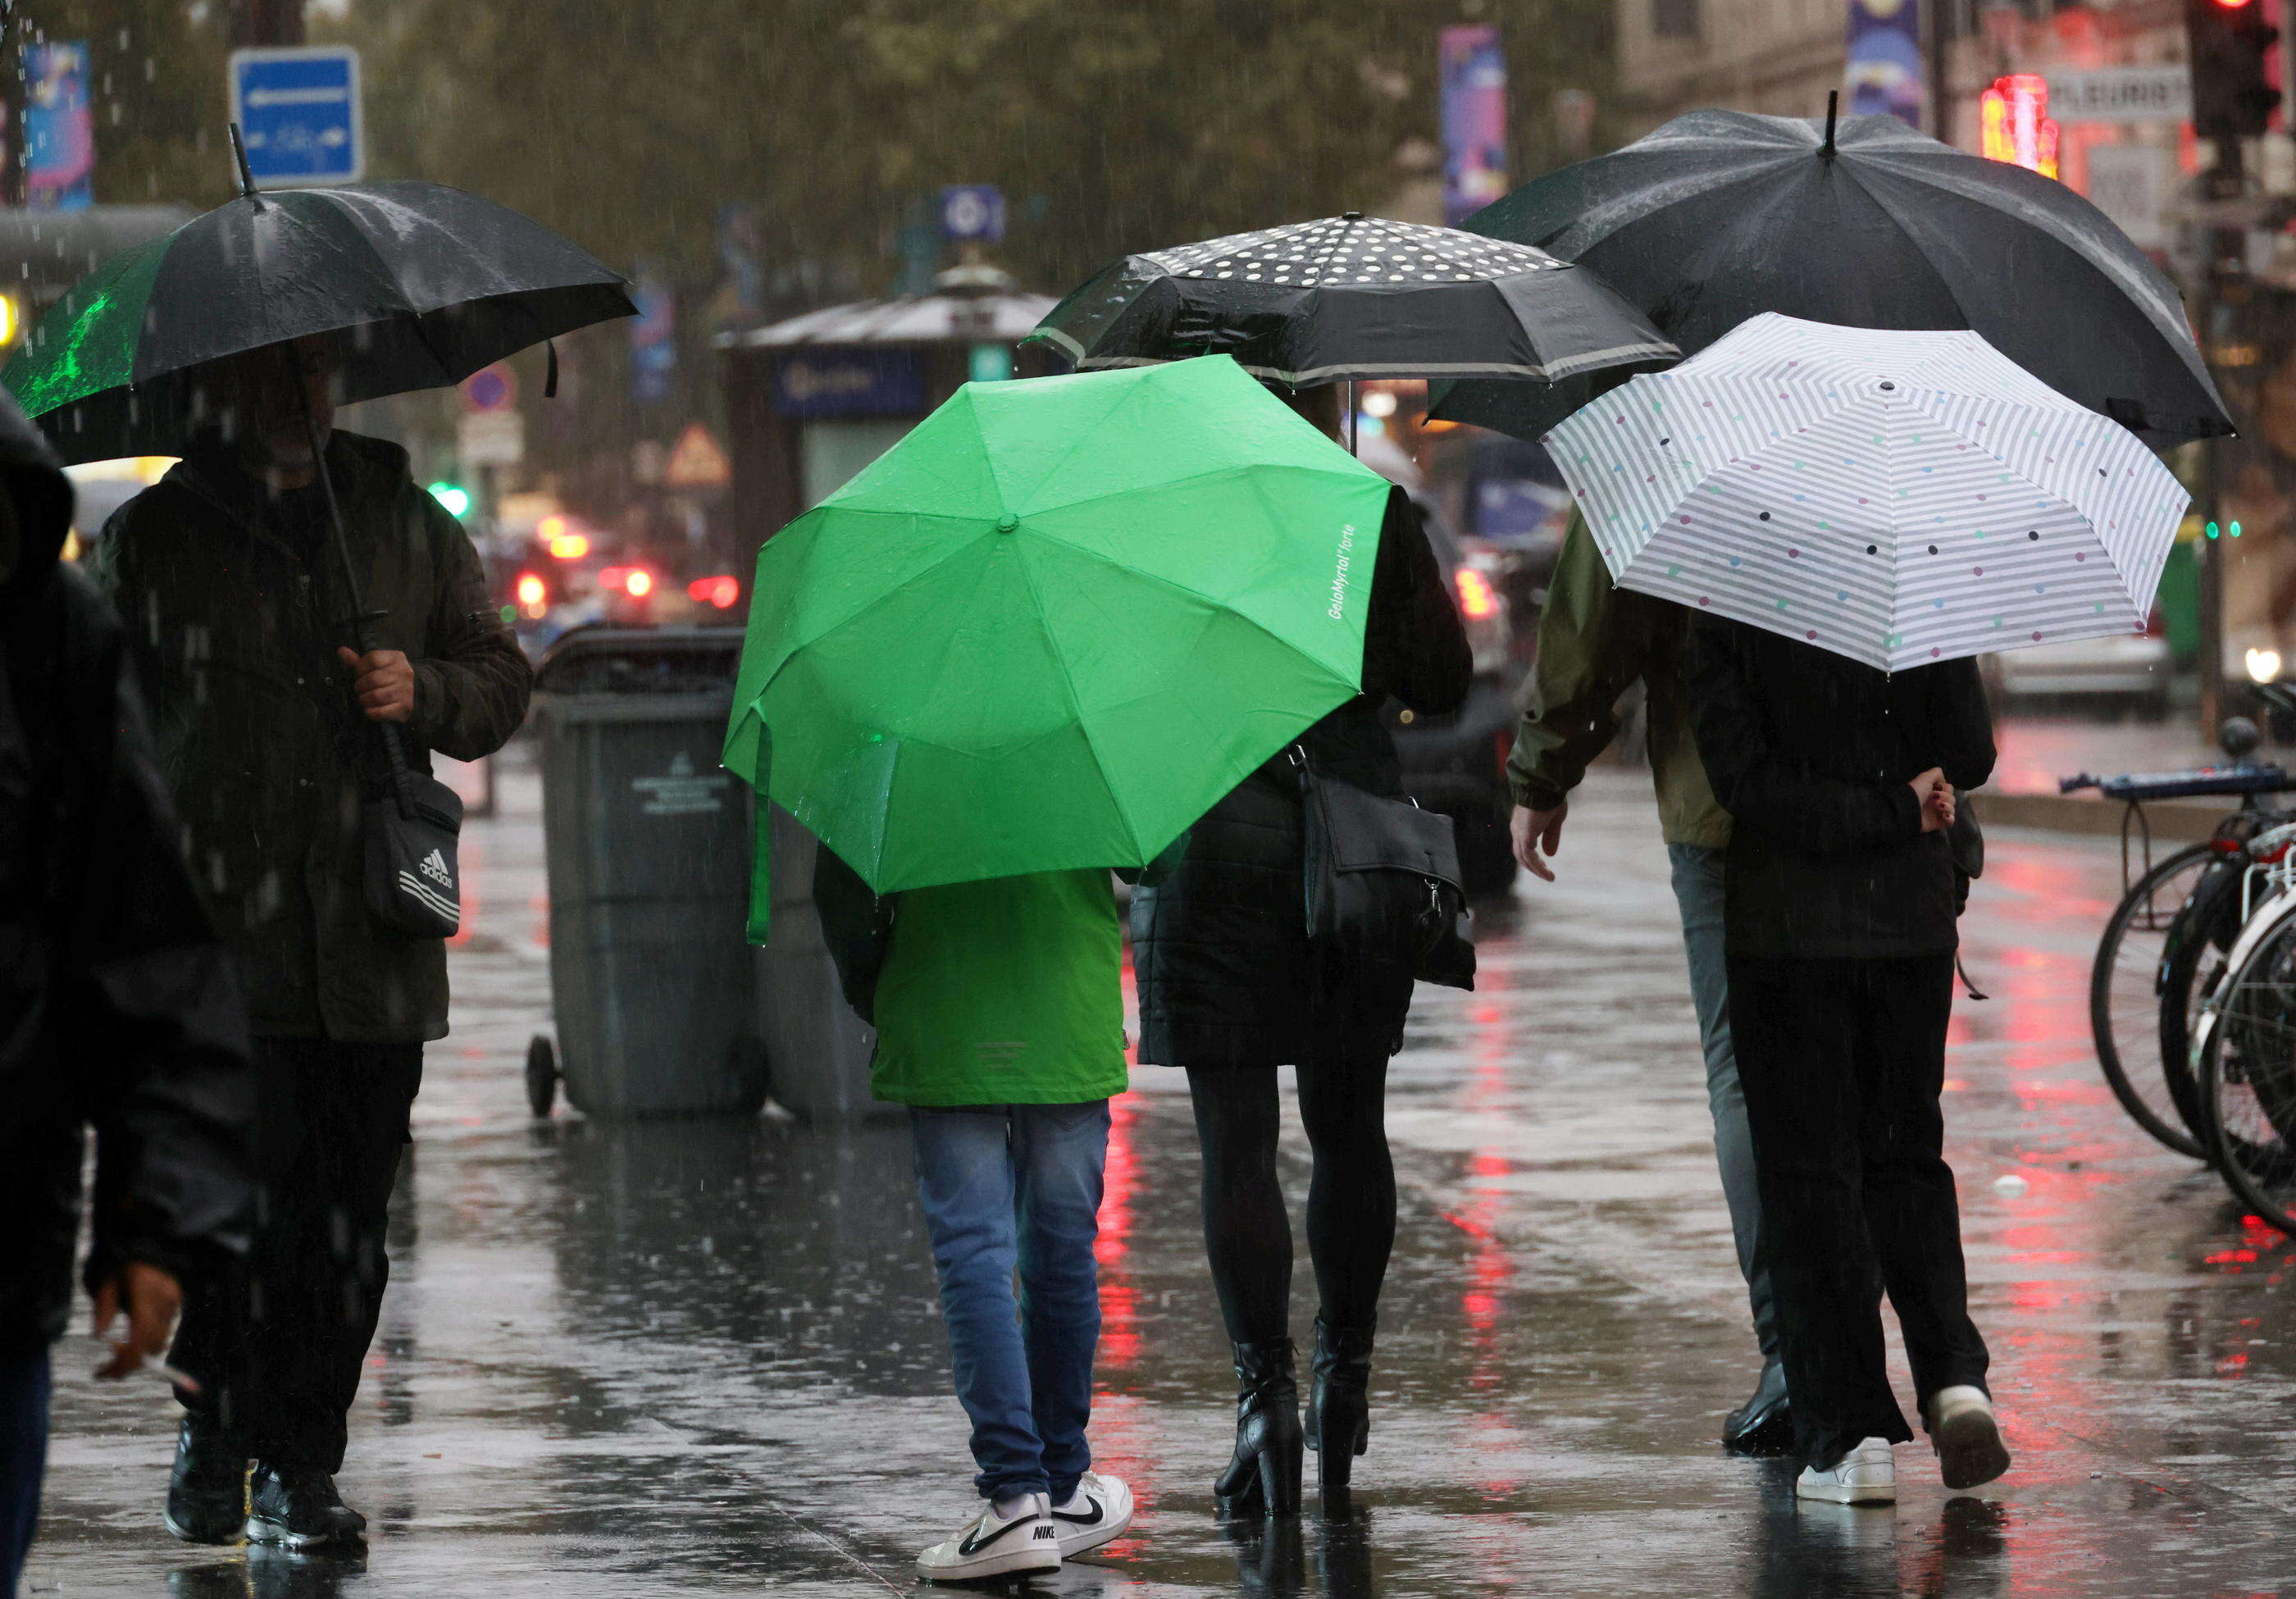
(1120, 1336)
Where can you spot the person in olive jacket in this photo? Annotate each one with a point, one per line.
(1840, 905)
(118, 1010)
(1230, 989)
(225, 577)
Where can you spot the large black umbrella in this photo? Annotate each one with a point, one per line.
(1357, 297)
(421, 285)
(1719, 215)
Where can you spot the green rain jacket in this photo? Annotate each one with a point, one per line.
(1595, 639)
(230, 603)
(1003, 992)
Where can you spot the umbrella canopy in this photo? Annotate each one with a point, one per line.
(1055, 623)
(1721, 216)
(1896, 498)
(423, 284)
(1356, 297)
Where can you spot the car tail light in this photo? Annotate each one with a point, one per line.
(720, 591)
(1476, 598)
(639, 582)
(533, 594)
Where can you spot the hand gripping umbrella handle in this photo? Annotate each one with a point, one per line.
(393, 740)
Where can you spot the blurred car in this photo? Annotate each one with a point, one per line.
(2130, 671)
(1456, 764)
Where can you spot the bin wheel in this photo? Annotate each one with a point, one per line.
(541, 1076)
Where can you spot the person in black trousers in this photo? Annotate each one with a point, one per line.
(1230, 989)
(1841, 900)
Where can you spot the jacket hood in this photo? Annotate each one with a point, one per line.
(42, 497)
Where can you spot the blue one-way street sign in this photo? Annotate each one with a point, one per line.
(299, 109)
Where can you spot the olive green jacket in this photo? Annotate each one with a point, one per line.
(232, 602)
(1595, 639)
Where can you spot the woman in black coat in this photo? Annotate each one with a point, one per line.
(1230, 989)
(1839, 904)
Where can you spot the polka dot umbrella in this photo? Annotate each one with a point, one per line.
(1896, 498)
(1357, 297)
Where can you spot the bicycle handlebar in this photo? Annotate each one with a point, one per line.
(2199, 781)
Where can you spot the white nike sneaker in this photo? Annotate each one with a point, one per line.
(995, 1546)
(1966, 1436)
(1866, 1475)
(1096, 1513)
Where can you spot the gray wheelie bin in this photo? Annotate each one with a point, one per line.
(820, 1049)
(648, 849)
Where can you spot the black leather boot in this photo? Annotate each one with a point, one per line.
(1265, 1473)
(206, 1490)
(1764, 1423)
(1339, 1401)
(297, 1506)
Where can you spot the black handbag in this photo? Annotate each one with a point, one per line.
(413, 884)
(1384, 891)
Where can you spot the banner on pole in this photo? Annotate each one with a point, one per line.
(59, 133)
(1474, 119)
(1885, 60)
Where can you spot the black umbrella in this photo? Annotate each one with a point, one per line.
(1719, 215)
(419, 285)
(1357, 297)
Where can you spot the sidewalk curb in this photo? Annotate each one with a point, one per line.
(2176, 821)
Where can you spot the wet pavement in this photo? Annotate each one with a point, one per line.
(706, 1357)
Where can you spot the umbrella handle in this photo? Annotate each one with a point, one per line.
(391, 736)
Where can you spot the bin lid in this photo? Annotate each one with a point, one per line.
(640, 661)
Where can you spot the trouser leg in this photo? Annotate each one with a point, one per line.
(283, 1343)
(966, 1181)
(1060, 1155)
(1697, 892)
(1912, 1213)
(1800, 1039)
(1352, 1195)
(24, 1457)
(1247, 1231)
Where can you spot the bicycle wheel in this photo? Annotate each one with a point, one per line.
(2247, 1078)
(2125, 998)
(2192, 959)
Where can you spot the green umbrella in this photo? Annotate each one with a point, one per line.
(1054, 623)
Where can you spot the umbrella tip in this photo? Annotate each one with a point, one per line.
(1352, 215)
(1832, 108)
(239, 154)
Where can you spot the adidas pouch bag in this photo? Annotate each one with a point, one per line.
(413, 886)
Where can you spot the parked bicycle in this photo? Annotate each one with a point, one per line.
(2197, 970)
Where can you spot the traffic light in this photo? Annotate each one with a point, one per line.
(2231, 95)
(454, 496)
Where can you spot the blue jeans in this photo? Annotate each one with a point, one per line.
(1698, 890)
(1009, 1187)
(23, 1453)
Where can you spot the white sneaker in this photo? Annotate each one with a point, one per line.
(995, 1546)
(1866, 1475)
(1966, 1436)
(1096, 1513)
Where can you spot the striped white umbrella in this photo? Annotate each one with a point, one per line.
(1896, 498)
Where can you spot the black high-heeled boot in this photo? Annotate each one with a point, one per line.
(1265, 1473)
(1339, 1401)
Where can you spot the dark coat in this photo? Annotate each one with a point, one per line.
(1220, 945)
(118, 1009)
(232, 600)
(1814, 755)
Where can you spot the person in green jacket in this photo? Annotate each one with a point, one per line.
(1595, 641)
(1000, 1023)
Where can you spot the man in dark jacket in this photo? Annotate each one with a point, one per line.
(117, 1006)
(1839, 914)
(227, 576)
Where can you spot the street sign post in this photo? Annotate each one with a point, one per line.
(299, 109)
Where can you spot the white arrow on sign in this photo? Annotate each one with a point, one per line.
(257, 99)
